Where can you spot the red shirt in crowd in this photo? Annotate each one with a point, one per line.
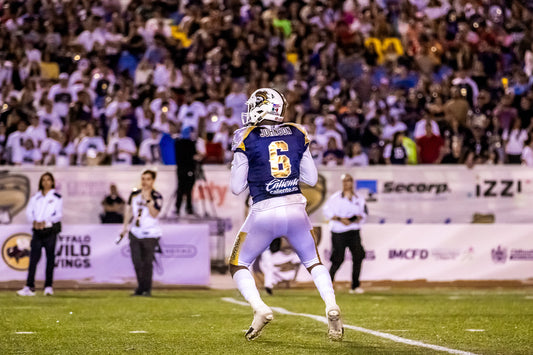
(429, 148)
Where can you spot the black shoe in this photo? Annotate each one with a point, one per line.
(146, 294)
(269, 291)
(136, 293)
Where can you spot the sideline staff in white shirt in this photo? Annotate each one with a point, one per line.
(45, 211)
(141, 221)
(346, 212)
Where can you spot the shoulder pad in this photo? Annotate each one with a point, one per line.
(156, 194)
(133, 194)
(239, 136)
(57, 195)
(301, 129)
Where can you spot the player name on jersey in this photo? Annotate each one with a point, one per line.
(275, 131)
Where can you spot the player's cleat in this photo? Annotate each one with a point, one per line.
(261, 318)
(48, 291)
(335, 328)
(26, 291)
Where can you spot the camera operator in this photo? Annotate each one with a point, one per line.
(190, 150)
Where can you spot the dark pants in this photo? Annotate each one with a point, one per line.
(40, 239)
(142, 255)
(514, 159)
(340, 241)
(186, 180)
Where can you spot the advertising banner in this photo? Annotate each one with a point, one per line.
(88, 254)
(441, 194)
(400, 252)
(405, 195)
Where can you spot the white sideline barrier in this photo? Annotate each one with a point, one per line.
(411, 194)
(400, 252)
(88, 254)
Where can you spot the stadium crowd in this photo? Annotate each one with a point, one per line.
(373, 81)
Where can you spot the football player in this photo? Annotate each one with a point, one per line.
(271, 158)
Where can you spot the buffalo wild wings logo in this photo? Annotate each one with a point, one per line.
(14, 195)
(16, 251)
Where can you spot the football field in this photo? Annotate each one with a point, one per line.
(389, 321)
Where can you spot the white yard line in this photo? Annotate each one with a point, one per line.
(23, 332)
(475, 330)
(360, 329)
(138, 332)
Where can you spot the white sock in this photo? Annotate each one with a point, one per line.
(324, 285)
(246, 285)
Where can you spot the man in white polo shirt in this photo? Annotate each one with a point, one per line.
(346, 212)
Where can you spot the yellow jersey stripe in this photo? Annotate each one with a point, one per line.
(301, 129)
(234, 259)
(241, 144)
(313, 234)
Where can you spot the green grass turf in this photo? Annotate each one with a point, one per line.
(198, 322)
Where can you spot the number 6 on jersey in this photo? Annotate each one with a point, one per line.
(277, 160)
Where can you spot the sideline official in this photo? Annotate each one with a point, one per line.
(141, 221)
(44, 211)
(346, 212)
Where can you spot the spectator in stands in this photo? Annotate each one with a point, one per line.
(452, 152)
(191, 112)
(457, 107)
(429, 147)
(2, 142)
(399, 59)
(333, 155)
(150, 150)
(113, 206)
(121, 148)
(62, 96)
(15, 142)
(392, 127)
(91, 149)
(514, 140)
(394, 152)
(48, 117)
(356, 157)
(29, 154)
(527, 153)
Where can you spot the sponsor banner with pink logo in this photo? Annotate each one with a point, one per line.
(88, 254)
(451, 252)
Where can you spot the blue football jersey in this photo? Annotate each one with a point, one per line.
(274, 154)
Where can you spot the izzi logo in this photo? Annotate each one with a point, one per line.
(498, 188)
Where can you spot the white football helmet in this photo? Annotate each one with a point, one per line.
(264, 104)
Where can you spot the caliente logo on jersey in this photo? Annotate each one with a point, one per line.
(281, 186)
